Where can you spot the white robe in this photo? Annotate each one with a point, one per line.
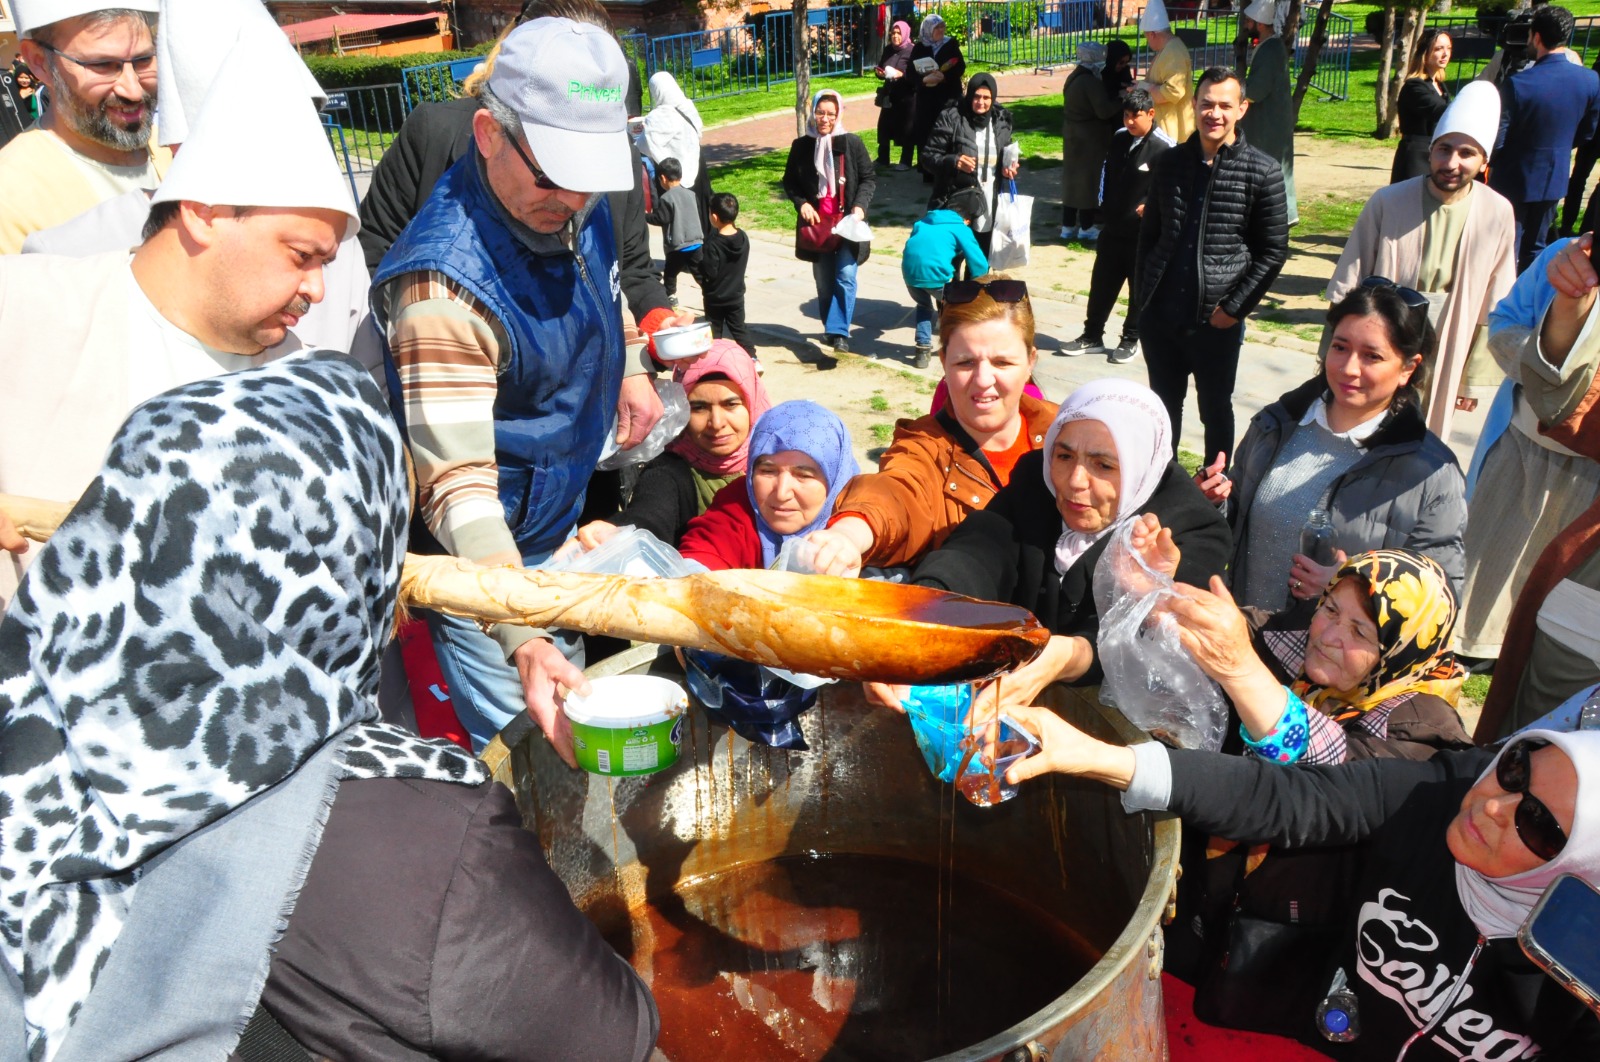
(672, 128)
(82, 346)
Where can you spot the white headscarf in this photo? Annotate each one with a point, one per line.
(827, 170)
(673, 127)
(1142, 431)
(1499, 906)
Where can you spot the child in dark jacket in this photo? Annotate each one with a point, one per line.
(723, 261)
(1124, 185)
(678, 214)
(929, 260)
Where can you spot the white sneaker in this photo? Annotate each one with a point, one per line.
(1069, 232)
(1090, 234)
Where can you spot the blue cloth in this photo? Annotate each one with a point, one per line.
(1568, 716)
(929, 260)
(817, 433)
(1549, 107)
(558, 391)
(1494, 426)
(927, 304)
(835, 276)
(1289, 738)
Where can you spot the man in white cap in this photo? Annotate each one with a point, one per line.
(232, 259)
(1170, 79)
(1269, 123)
(197, 36)
(501, 308)
(93, 142)
(1449, 236)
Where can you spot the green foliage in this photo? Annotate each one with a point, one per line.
(335, 72)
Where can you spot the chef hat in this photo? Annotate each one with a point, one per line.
(258, 142)
(30, 15)
(1262, 11)
(1476, 112)
(1154, 17)
(196, 36)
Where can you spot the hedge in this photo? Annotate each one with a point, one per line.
(354, 71)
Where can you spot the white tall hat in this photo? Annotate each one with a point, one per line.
(196, 37)
(1154, 17)
(258, 142)
(1476, 112)
(31, 14)
(1262, 11)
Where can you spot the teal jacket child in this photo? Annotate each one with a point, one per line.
(930, 256)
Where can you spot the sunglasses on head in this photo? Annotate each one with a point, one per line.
(961, 291)
(1536, 824)
(1410, 296)
(540, 178)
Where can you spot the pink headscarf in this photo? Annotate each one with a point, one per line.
(725, 358)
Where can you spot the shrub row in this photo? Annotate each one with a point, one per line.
(352, 71)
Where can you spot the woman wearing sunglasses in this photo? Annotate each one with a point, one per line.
(1352, 442)
(1455, 851)
(1107, 458)
(945, 466)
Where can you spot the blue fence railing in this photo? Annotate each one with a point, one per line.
(1332, 76)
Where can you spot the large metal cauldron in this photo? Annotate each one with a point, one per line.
(1063, 846)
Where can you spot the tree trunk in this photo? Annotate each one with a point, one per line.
(1291, 24)
(1380, 96)
(1308, 68)
(802, 66)
(1409, 33)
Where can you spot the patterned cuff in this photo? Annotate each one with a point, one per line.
(1286, 741)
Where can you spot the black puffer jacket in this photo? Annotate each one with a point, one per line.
(1245, 232)
(955, 135)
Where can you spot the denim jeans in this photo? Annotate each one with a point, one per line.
(835, 274)
(484, 686)
(927, 300)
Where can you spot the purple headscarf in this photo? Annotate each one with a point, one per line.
(815, 432)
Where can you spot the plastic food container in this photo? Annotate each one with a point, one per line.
(954, 754)
(631, 551)
(685, 341)
(628, 725)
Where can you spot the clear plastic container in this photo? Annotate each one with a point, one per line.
(631, 551)
(954, 753)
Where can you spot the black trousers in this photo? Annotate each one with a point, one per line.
(1582, 165)
(728, 320)
(1175, 351)
(1113, 267)
(680, 262)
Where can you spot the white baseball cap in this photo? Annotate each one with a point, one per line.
(568, 81)
(30, 15)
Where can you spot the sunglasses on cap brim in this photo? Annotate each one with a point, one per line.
(962, 291)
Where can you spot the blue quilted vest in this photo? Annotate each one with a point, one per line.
(557, 394)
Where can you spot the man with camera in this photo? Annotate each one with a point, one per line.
(1548, 108)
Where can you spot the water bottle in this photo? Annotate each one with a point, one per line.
(1316, 538)
(1338, 1016)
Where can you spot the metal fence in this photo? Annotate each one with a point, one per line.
(1332, 76)
(361, 123)
(434, 82)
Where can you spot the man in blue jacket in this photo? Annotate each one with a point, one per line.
(501, 310)
(1548, 108)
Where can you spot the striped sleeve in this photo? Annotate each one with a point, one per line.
(447, 350)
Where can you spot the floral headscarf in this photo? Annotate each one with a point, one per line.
(820, 435)
(725, 359)
(1415, 610)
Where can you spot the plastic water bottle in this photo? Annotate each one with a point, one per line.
(1316, 538)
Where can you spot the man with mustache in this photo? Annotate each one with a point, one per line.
(1447, 235)
(213, 286)
(93, 142)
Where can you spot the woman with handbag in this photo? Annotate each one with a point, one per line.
(967, 150)
(896, 97)
(828, 177)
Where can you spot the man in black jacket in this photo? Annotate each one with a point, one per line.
(1213, 239)
(1124, 184)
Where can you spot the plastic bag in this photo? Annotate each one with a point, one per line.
(1013, 225)
(798, 556)
(854, 229)
(1150, 676)
(757, 704)
(674, 418)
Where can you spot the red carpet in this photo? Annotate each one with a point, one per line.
(1191, 1040)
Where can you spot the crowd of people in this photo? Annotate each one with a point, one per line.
(258, 396)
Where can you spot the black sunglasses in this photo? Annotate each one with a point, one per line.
(962, 291)
(540, 178)
(1413, 298)
(1536, 824)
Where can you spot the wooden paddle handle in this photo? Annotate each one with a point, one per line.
(34, 518)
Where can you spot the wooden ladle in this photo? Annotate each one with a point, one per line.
(812, 624)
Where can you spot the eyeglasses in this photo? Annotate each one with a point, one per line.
(540, 178)
(962, 291)
(1413, 299)
(1536, 824)
(108, 69)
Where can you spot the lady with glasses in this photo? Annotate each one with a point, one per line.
(1455, 851)
(1352, 442)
